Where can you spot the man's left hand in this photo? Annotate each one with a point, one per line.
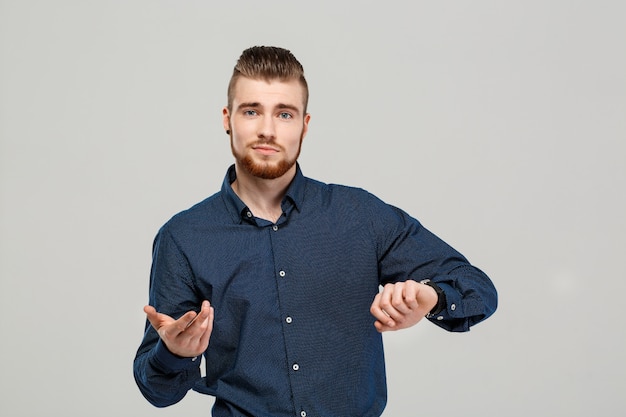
(402, 305)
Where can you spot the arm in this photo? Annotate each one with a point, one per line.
(409, 252)
(166, 365)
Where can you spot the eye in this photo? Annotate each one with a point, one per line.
(285, 115)
(249, 113)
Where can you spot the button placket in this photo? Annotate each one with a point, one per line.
(280, 246)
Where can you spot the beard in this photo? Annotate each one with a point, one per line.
(265, 169)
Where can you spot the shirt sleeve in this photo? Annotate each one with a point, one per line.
(162, 377)
(407, 250)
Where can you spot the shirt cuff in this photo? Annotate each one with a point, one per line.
(453, 308)
(171, 363)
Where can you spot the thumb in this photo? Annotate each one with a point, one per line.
(156, 319)
(152, 315)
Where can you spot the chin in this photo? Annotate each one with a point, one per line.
(265, 170)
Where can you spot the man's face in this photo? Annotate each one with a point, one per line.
(267, 125)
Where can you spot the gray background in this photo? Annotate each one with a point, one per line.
(499, 124)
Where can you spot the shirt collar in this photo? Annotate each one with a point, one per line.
(238, 209)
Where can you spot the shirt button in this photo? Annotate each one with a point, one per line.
(288, 320)
(274, 228)
(453, 307)
(440, 318)
(303, 413)
(295, 366)
(249, 214)
(282, 273)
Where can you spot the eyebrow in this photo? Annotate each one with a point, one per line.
(279, 106)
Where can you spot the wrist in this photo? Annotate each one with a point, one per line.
(440, 304)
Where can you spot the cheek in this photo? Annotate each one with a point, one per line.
(293, 134)
(242, 131)
(236, 141)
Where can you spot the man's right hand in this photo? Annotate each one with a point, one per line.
(188, 336)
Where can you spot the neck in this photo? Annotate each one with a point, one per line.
(263, 197)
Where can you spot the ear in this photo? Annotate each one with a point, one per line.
(305, 127)
(226, 118)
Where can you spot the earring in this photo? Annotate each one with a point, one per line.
(228, 132)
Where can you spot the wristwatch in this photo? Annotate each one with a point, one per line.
(441, 298)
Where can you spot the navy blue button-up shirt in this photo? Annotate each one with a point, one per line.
(293, 335)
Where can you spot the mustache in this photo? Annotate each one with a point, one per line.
(270, 142)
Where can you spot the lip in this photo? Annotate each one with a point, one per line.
(265, 149)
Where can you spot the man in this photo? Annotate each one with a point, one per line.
(275, 279)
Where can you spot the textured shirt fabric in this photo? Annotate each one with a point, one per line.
(293, 335)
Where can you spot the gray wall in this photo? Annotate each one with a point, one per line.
(499, 124)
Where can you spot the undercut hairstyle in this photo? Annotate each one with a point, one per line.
(268, 63)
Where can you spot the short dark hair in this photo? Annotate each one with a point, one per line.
(268, 63)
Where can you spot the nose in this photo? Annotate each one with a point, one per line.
(267, 130)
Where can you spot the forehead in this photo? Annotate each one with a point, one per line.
(268, 93)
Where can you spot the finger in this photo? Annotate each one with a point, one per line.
(150, 312)
(198, 333)
(378, 312)
(382, 327)
(411, 290)
(379, 326)
(186, 320)
(195, 334)
(398, 301)
(201, 316)
(204, 339)
(205, 309)
(154, 317)
(387, 301)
